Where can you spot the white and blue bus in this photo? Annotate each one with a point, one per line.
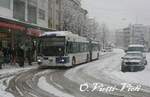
(63, 48)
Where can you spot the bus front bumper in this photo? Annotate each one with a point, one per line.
(57, 61)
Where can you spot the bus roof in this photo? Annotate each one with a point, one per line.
(56, 33)
(69, 36)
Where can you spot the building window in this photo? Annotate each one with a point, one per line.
(41, 14)
(5, 3)
(19, 10)
(57, 1)
(32, 14)
(50, 23)
(32, 2)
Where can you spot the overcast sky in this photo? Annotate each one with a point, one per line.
(119, 13)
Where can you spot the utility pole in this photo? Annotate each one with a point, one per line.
(103, 38)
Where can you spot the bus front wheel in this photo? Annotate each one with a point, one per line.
(73, 61)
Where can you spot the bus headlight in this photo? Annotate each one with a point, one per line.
(39, 61)
(62, 60)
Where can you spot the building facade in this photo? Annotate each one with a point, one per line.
(126, 37)
(140, 35)
(137, 33)
(134, 34)
(30, 11)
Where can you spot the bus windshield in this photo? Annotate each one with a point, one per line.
(53, 46)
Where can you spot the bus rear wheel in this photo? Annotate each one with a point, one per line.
(97, 56)
(87, 58)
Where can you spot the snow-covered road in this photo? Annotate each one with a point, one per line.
(110, 68)
(107, 71)
(67, 82)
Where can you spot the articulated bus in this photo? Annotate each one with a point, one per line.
(63, 48)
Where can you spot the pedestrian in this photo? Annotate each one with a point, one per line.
(29, 56)
(20, 56)
(1, 58)
(13, 56)
(6, 55)
(9, 52)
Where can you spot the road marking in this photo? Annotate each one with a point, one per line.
(19, 91)
(27, 82)
(32, 94)
(51, 78)
(44, 85)
(59, 86)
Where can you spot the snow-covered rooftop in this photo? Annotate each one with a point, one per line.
(57, 33)
(133, 52)
(136, 45)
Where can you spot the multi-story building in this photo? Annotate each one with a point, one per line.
(135, 34)
(140, 35)
(21, 17)
(126, 37)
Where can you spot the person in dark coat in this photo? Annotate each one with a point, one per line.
(1, 58)
(6, 55)
(13, 55)
(29, 56)
(20, 56)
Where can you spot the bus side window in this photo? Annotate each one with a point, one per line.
(69, 47)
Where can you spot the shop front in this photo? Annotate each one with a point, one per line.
(15, 34)
(5, 38)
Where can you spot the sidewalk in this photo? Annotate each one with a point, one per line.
(9, 65)
(10, 69)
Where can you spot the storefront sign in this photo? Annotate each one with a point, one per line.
(34, 32)
(11, 26)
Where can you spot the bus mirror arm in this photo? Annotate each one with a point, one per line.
(41, 55)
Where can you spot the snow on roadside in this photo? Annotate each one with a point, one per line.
(141, 77)
(6, 75)
(3, 87)
(44, 85)
(95, 68)
(109, 69)
(5, 72)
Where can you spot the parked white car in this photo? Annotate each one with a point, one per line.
(133, 61)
